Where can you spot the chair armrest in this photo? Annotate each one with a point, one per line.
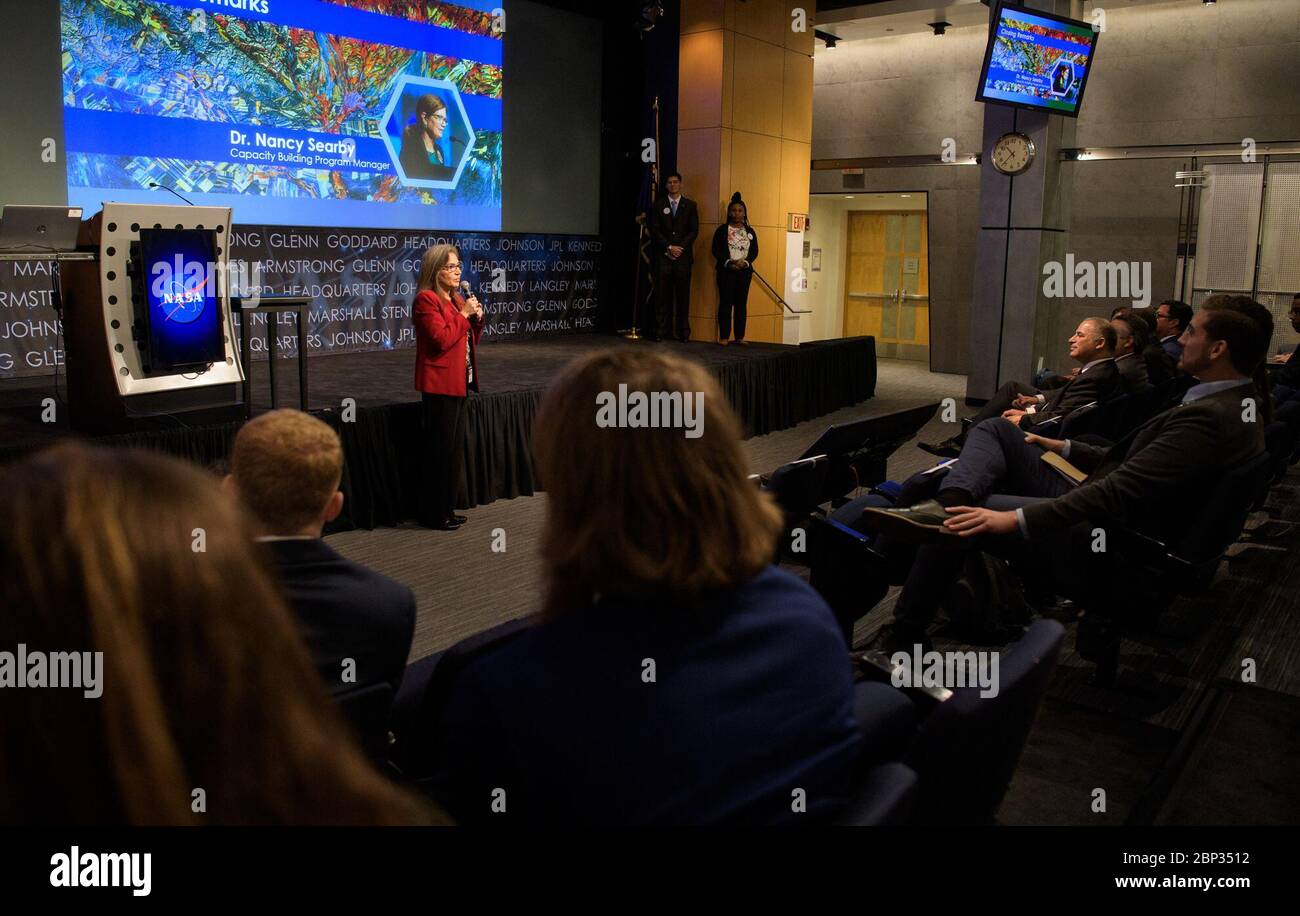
(1150, 550)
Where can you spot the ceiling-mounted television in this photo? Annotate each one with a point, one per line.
(1036, 60)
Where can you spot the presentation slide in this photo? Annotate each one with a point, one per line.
(377, 113)
(1038, 62)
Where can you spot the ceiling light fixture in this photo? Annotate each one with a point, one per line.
(827, 37)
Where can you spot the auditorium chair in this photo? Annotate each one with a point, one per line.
(1168, 569)
(884, 796)
(797, 487)
(427, 686)
(966, 750)
(367, 708)
(846, 571)
(1281, 441)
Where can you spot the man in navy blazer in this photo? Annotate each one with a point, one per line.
(1172, 318)
(358, 624)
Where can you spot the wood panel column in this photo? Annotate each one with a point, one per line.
(744, 110)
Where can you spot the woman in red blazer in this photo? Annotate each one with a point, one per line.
(447, 329)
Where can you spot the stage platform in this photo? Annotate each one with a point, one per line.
(771, 386)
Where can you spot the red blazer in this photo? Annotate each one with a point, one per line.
(440, 339)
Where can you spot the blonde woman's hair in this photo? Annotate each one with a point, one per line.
(434, 260)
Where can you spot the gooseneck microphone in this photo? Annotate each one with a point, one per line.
(154, 184)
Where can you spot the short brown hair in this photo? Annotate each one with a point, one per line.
(1136, 325)
(205, 679)
(1241, 328)
(286, 465)
(645, 511)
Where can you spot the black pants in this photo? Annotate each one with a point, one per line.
(733, 293)
(673, 298)
(443, 419)
(1003, 400)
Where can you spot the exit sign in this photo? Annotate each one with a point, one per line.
(798, 222)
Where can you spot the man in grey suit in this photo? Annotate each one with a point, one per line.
(1151, 481)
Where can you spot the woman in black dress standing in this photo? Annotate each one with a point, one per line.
(735, 248)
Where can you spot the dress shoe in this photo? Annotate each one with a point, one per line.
(901, 637)
(459, 519)
(918, 524)
(446, 525)
(948, 448)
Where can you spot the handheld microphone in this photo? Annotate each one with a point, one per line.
(465, 291)
(154, 184)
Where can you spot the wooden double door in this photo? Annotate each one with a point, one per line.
(887, 282)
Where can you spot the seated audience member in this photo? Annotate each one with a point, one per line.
(286, 466)
(1153, 480)
(1172, 318)
(139, 566)
(1130, 341)
(677, 676)
(1161, 367)
(1286, 382)
(1092, 345)
(1264, 318)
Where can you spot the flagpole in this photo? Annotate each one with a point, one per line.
(641, 231)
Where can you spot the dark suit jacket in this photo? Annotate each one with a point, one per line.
(346, 611)
(722, 251)
(752, 698)
(1173, 348)
(415, 158)
(1154, 479)
(1097, 384)
(1133, 374)
(682, 229)
(1289, 372)
(1161, 367)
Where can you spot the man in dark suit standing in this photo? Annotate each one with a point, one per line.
(1153, 481)
(1093, 346)
(286, 467)
(674, 224)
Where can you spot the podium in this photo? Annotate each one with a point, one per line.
(109, 389)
